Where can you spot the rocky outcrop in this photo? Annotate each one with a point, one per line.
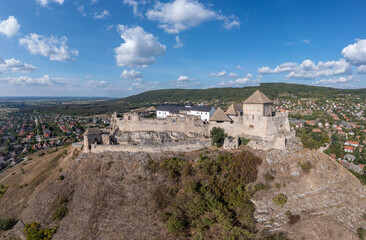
(328, 198)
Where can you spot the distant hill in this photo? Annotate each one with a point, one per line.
(272, 90)
(156, 97)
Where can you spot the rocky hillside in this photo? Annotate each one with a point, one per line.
(125, 196)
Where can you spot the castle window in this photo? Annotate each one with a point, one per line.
(129, 117)
(251, 126)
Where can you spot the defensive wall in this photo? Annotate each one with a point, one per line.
(167, 147)
(131, 122)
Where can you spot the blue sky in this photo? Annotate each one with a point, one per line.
(118, 48)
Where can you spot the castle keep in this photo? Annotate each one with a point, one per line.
(253, 119)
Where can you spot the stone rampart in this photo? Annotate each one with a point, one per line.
(170, 147)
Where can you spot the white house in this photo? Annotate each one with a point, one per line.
(205, 112)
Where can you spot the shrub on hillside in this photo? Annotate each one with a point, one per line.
(174, 225)
(61, 210)
(33, 231)
(280, 199)
(3, 189)
(305, 166)
(6, 224)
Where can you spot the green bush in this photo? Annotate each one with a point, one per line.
(6, 224)
(269, 177)
(151, 165)
(33, 231)
(278, 186)
(361, 232)
(3, 189)
(280, 199)
(260, 186)
(305, 166)
(212, 202)
(217, 135)
(244, 141)
(173, 166)
(61, 210)
(174, 225)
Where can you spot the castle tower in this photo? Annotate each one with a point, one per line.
(258, 104)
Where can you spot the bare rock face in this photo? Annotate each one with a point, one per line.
(328, 198)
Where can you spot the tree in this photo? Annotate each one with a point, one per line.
(217, 136)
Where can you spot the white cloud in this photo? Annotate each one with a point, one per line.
(306, 41)
(180, 15)
(81, 10)
(185, 81)
(25, 80)
(224, 74)
(238, 67)
(179, 43)
(44, 3)
(51, 47)
(132, 74)
(233, 75)
(309, 70)
(139, 47)
(356, 53)
(238, 82)
(134, 4)
(101, 15)
(336, 82)
(219, 74)
(16, 66)
(94, 1)
(9, 27)
(97, 84)
(361, 69)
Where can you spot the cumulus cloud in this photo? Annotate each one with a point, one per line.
(185, 81)
(16, 66)
(139, 49)
(219, 74)
(356, 53)
(233, 75)
(224, 74)
(98, 84)
(248, 79)
(25, 80)
(101, 15)
(134, 4)
(361, 69)
(51, 47)
(336, 82)
(309, 70)
(238, 67)
(44, 3)
(132, 74)
(180, 15)
(179, 43)
(306, 41)
(9, 27)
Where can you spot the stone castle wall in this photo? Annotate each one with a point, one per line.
(173, 147)
(132, 123)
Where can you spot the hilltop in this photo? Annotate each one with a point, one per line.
(116, 195)
(211, 95)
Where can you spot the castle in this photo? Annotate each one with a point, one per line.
(253, 119)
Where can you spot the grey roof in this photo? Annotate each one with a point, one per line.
(177, 109)
(201, 108)
(234, 109)
(171, 108)
(258, 97)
